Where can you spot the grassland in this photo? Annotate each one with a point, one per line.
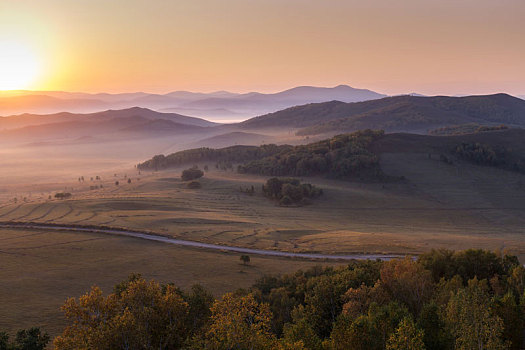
(439, 205)
(40, 269)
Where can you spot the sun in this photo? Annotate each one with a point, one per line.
(18, 66)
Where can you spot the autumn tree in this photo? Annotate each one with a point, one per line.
(142, 316)
(239, 322)
(407, 281)
(302, 331)
(351, 334)
(406, 337)
(471, 317)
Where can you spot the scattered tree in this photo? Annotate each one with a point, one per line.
(245, 259)
(191, 174)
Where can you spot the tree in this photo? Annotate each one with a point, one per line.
(407, 281)
(31, 339)
(436, 333)
(143, 315)
(239, 322)
(348, 334)
(472, 320)
(199, 303)
(512, 315)
(384, 320)
(245, 259)
(26, 339)
(4, 341)
(191, 174)
(302, 331)
(406, 337)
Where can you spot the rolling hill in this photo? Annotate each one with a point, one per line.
(394, 114)
(18, 121)
(113, 124)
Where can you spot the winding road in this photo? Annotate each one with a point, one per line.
(187, 243)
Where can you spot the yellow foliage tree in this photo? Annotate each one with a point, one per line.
(406, 337)
(142, 316)
(240, 322)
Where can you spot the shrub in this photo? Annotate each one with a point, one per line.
(191, 174)
(62, 195)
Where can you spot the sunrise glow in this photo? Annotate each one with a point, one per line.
(19, 66)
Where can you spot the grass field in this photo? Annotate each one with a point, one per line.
(439, 205)
(40, 269)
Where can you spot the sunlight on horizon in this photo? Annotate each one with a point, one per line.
(19, 66)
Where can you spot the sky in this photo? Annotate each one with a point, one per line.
(426, 46)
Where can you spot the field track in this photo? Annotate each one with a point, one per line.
(188, 243)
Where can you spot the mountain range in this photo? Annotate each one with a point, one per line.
(408, 113)
(219, 105)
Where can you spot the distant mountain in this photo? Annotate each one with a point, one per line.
(123, 127)
(222, 105)
(18, 121)
(256, 103)
(392, 114)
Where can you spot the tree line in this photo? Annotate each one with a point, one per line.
(223, 155)
(495, 156)
(473, 299)
(342, 156)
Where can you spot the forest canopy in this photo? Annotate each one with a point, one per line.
(473, 299)
(342, 156)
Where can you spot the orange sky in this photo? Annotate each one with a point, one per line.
(427, 46)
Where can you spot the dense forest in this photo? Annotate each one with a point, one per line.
(472, 299)
(342, 156)
(495, 156)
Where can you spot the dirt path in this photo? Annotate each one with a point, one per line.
(187, 243)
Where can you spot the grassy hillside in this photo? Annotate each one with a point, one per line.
(400, 113)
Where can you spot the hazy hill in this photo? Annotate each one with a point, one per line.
(18, 121)
(160, 127)
(256, 103)
(220, 104)
(400, 113)
(111, 128)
